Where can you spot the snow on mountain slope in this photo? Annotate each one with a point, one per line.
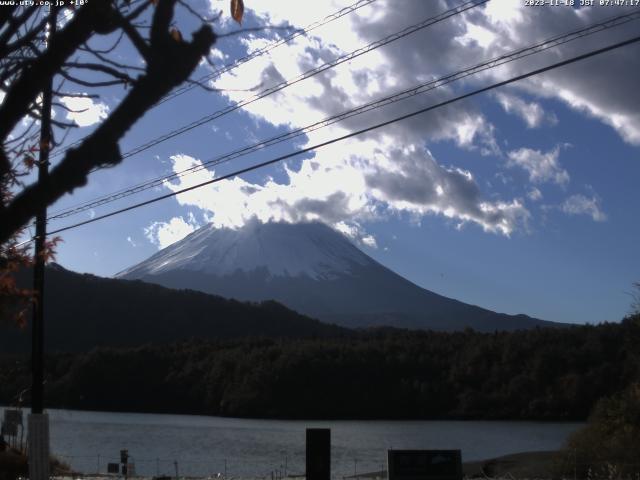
(308, 249)
(314, 270)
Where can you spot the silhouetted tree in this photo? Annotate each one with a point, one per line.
(609, 445)
(82, 54)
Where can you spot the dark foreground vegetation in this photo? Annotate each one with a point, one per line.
(541, 374)
(14, 464)
(609, 445)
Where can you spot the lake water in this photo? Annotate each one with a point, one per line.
(204, 446)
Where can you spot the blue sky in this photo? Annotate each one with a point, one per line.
(523, 200)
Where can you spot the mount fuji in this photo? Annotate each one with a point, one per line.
(314, 270)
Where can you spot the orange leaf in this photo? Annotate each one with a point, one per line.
(176, 35)
(237, 10)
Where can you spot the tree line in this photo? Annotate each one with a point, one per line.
(538, 374)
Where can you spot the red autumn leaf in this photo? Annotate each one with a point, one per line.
(49, 252)
(237, 10)
(29, 161)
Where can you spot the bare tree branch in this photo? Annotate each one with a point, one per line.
(97, 67)
(14, 24)
(106, 51)
(26, 88)
(105, 59)
(136, 39)
(170, 64)
(89, 83)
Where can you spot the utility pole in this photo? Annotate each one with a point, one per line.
(38, 421)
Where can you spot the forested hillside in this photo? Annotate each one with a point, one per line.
(85, 311)
(535, 374)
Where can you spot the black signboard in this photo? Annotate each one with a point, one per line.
(425, 464)
(113, 468)
(13, 417)
(318, 454)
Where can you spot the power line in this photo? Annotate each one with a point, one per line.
(303, 76)
(308, 74)
(261, 51)
(358, 132)
(388, 100)
(255, 54)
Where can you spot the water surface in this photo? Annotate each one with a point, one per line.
(204, 446)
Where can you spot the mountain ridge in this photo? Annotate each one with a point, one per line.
(83, 311)
(315, 252)
(320, 274)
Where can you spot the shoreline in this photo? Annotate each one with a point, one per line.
(61, 410)
(522, 465)
(536, 464)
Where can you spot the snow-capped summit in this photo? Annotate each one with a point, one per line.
(313, 269)
(313, 250)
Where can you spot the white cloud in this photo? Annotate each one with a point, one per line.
(387, 171)
(531, 112)
(217, 54)
(627, 124)
(396, 66)
(343, 192)
(354, 231)
(480, 35)
(370, 241)
(586, 86)
(132, 242)
(164, 234)
(541, 167)
(66, 17)
(369, 177)
(84, 111)
(581, 205)
(504, 12)
(534, 194)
